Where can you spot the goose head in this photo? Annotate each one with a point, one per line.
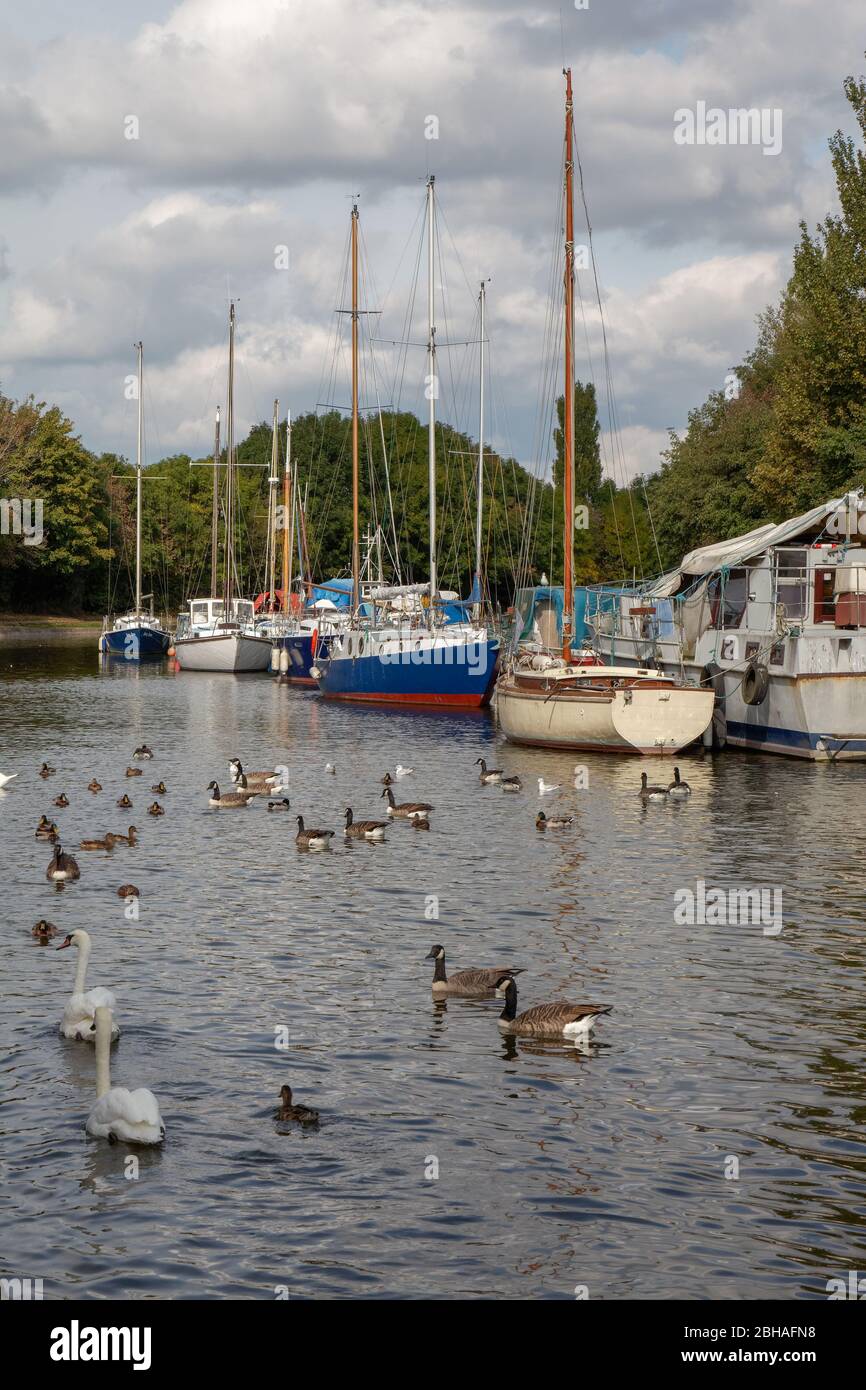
(504, 984)
(435, 953)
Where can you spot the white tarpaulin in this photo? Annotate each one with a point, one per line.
(709, 558)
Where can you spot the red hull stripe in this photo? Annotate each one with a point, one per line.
(451, 701)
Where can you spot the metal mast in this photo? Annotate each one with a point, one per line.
(568, 405)
(215, 510)
(482, 300)
(288, 524)
(432, 386)
(138, 489)
(356, 552)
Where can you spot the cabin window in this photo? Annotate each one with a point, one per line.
(199, 613)
(792, 581)
(728, 600)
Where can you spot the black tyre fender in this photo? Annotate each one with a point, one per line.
(716, 736)
(756, 683)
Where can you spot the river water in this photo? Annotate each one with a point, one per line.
(708, 1144)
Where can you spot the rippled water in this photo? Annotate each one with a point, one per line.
(556, 1168)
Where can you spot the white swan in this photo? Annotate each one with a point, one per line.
(7, 777)
(545, 787)
(79, 1016)
(132, 1116)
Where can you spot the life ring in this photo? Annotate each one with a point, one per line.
(756, 683)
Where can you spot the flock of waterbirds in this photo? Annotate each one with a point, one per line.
(90, 1014)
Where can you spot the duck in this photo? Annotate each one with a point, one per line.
(78, 1020)
(312, 839)
(650, 793)
(62, 866)
(46, 829)
(511, 784)
(128, 890)
(6, 777)
(46, 771)
(155, 809)
(543, 822)
(94, 786)
(558, 1019)
(143, 753)
(403, 771)
(331, 769)
(61, 800)
(301, 1113)
(283, 805)
(677, 787)
(124, 803)
(132, 772)
(488, 774)
(467, 984)
(545, 788)
(387, 780)
(407, 809)
(129, 838)
(43, 931)
(364, 829)
(132, 1116)
(229, 800)
(159, 789)
(420, 823)
(107, 843)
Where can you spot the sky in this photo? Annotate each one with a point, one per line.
(255, 125)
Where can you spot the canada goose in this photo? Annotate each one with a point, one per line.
(155, 809)
(649, 793)
(678, 787)
(420, 823)
(511, 784)
(43, 931)
(132, 772)
(407, 809)
(487, 775)
(403, 771)
(129, 838)
(7, 777)
(94, 786)
(546, 787)
(331, 769)
(128, 890)
(107, 843)
(159, 789)
(132, 1116)
(543, 822)
(228, 799)
(143, 752)
(364, 829)
(468, 984)
(287, 1111)
(46, 771)
(124, 803)
(284, 805)
(237, 771)
(61, 800)
(79, 1015)
(312, 839)
(62, 866)
(555, 1020)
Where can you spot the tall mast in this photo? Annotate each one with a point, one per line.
(568, 407)
(356, 554)
(273, 479)
(432, 387)
(288, 525)
(138, 489)
(230, 442)
(482, 299)
(215, 510)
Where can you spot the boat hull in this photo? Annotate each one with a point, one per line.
(228, 652)
(656, 721)
(818, 717)
(135, 643)
(416, 676)
(301, 648)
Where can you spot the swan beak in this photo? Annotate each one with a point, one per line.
(63, 945)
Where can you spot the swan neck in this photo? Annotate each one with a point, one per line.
(103, 1051)
(81, 968)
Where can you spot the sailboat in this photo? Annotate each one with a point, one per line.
(399, 647)
(137, 635)
(562, 699)
(218, 633)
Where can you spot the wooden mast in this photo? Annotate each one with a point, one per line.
(568, 410)
(356, 550)
(288, 525)
(273, 480)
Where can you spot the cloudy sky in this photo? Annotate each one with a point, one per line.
(255, 124)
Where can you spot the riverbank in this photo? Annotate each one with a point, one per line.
(13, 622)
